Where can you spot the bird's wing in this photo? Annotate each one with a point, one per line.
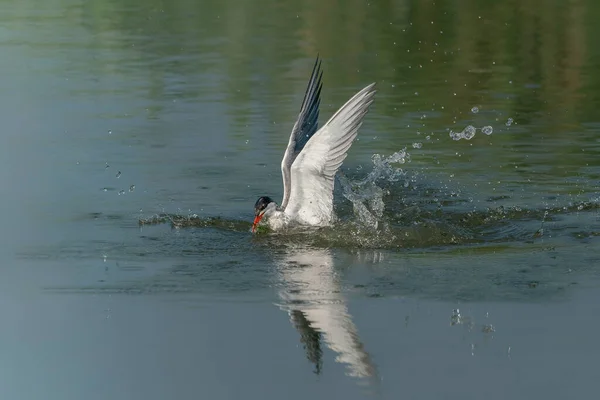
(313, 171)
(305, 127)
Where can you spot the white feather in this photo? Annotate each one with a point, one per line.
(313, 170)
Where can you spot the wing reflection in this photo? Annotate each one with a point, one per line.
(312, 296)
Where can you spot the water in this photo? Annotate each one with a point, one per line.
(136, 138)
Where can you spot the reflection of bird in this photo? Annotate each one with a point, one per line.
(311, 294)
(310, 337)
(312, 159)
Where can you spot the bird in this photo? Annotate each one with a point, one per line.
(312, 158)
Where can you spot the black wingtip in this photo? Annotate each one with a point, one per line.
(314, 85)
(317, 65)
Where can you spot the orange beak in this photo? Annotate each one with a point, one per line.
(256, 221)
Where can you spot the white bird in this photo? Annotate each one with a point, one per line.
(312, 158)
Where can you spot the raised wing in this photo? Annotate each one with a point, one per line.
(304, 128)
(312, 173)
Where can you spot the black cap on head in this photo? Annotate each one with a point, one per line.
(261, 204)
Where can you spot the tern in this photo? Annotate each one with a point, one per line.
(312, 158)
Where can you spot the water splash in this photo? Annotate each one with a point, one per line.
(405, 225)
(469, 132)
(365, 195)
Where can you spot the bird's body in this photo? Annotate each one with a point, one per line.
(312, 158)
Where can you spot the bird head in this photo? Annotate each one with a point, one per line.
(262, 207)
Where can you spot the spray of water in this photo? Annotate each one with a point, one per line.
(366, 195)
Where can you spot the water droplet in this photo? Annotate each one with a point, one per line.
(509, 122)
(455, 317)
(131, 188)
(118, 174)
(416, 93)
(107, 166)
(105, 189)
(417, 145)
(487, 130)
(428, 137)
(104, 256)
(121, 192)
(455, 135)
(469, 132)
(110, 132)
(475, 110)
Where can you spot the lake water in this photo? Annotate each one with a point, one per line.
(136, 137)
